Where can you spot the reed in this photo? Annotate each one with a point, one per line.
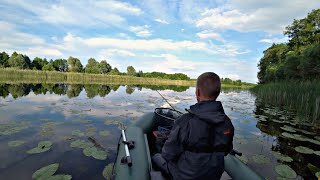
(9, 75)
(302, 97)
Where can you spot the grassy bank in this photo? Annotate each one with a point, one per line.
(302, 97)
(32, 76)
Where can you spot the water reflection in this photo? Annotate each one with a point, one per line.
(73, 90)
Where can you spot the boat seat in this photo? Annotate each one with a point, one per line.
(157, 175)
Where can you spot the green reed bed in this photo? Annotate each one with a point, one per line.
(300, 96)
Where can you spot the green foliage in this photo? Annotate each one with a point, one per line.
(4, 57)
(131, 71)
(38, 63)
(60, 65)
(299, 58)
(285, 171)
(74, 64)
(115, 71)
(104, 67)
(48, 67)
(92, 66)
(107, 171)
(19, 61)
(161, 75)
(45, 172)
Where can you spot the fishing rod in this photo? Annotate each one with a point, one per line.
(162, 96)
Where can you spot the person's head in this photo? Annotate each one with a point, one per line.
(208, 87)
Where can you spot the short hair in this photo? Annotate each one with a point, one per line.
(210, 85)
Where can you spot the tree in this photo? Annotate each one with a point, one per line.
(74, 64)
(60, 65)
(115, 71)
(19, 61)
(105, 67)
(4, 57)
(38, 63)
(305, 31)
(92, 67)
(139, 74)
(48, 67)
(131, 71)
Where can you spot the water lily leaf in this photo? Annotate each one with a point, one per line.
(89, 151)
(107, 171)
(77, 133)
(317, 138)
(287, 135)
(243, 158)
(317, 153)
(282, 157)
(288, 129)
(100, 155)
(16, 143)
(314, 169)
(60, 177)
(91, 131)
(318, 174)
(285, 171)
(43, 146)
(314, 141)
(13, 130)
(261, 159)
(104, 133)
(81, 144)
(304, 150)
(45, 172)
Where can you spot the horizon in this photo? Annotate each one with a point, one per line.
(226, 37)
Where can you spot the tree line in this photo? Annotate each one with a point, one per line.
(298, 59)
(73, 64)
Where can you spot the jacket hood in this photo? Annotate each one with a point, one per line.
(209, 111)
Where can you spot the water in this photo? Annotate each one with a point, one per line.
(63, 114)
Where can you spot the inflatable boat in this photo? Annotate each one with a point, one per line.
(135, 148)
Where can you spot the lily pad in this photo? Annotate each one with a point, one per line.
(282, 157)
(288, 129)
(304, 150)
(104, 133)
(95, 153)
(318, 174)
(16, 143)
(314, 169)
(317, 138)
(77, 133)
(285, 171)
(287, 135)
(60, 177)
(91, 131)
(81, 144)
(43, 146)
(261, 159)
(317, 153)
(107, 171)
(314, 141)
(45, 172)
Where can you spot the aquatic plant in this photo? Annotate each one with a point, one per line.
(317, 174)
(43, 146)
(107, 171)
(282, 157)
(47, 173)
(261, 159)
(104, 133)
(285, 171)
(77, 133)
(288, 128)
(304, 150)
(91, 131)
(82, 144)
(95, 153)
(16, 143)
(317, 153)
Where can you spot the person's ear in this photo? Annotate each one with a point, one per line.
(198, 92)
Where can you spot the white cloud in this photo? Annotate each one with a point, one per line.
(268, 16)
(117, 52)
(233, 76)
(80, 13)
(210, 35)
(161, 21)
(141, 31)
(274, 40)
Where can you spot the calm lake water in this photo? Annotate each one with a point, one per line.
(63, 114)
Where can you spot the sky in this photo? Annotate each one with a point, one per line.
(173, 36)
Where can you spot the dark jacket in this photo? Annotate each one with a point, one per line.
(198, 142)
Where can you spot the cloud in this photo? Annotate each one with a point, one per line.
(117, 52)
(80, 13)
(274, 40)
(271, 16)
(141, 31)
(233, 76)
(161, 21)
(210, 35)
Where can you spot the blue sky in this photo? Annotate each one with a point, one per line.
(189, 36)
